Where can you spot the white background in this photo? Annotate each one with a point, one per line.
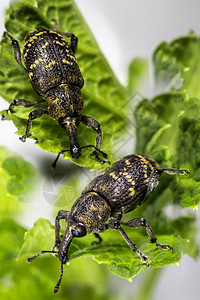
(125, 29)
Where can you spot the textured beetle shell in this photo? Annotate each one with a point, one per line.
(124, 185)
(50, 61)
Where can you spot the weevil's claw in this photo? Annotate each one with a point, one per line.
(164, 247)
(182, 172)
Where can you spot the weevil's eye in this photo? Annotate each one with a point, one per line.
(79, 230)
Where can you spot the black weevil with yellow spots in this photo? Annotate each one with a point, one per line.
(117, 190)
(55, 75)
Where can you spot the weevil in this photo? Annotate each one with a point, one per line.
(53, 71)
(117, 190)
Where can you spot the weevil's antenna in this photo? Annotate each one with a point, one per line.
(174, 171)
(95, 153)
(53, 166)
(59, 280)
(30, 259)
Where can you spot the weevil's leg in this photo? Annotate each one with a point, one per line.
(62, 214)
(91, 122)
(35, 114)
(30, 259)
(20, 102)
(115, 224)
(16, 49)
(99, 239)
(137, 222)
(74, 40)
(174, 171)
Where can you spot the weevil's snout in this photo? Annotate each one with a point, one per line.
(74, 229)
(64, 246)
(63, 257)
(70, 125)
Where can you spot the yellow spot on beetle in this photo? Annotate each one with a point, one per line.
(113, 175)
(127, 162)
(32, 66)
(132, 191)
(30, 74)
(45, 45)
(50, 64)
(67, 62)
(40, 33)
(128, 176)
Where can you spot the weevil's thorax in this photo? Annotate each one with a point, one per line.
(50, 61)
(64, 101)
(92, 211)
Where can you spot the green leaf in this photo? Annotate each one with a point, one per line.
(113, 251)
(10, 243)
(172, 139)
(18, 179)
(178, 63)
(103, 94)
(19, 278)
(138, 69)
(167, 129)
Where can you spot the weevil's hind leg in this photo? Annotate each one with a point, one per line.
(99, 239)
(91, 122)
(115, 224)
(74, 40)
(20, 102)
(62, 214)
(35, 114)
(16, 49)
(138, 222)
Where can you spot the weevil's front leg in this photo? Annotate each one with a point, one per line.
(91, 122)
(16, 49)
(62, 214)
(137, 222)
(20, 102)
(35, 114)
(115, 224)
(99, 239)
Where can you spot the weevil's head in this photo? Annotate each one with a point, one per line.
(73, 229)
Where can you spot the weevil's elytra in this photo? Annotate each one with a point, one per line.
(51, 61)
(115, 191)
(53, 71)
